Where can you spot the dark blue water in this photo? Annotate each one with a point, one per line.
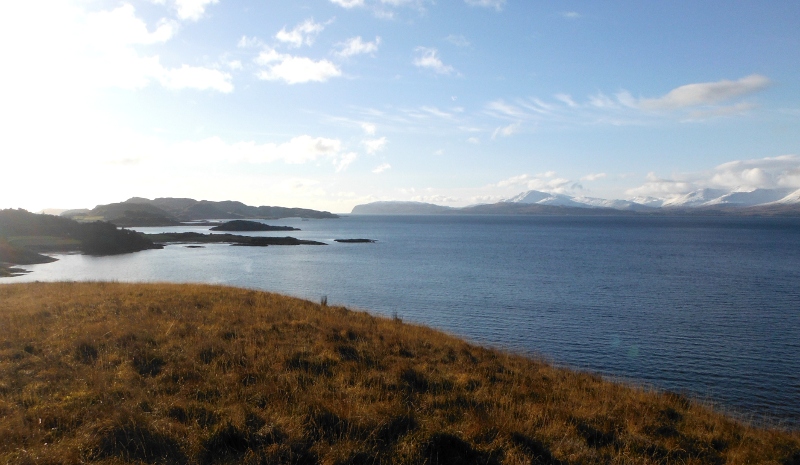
(707, 306)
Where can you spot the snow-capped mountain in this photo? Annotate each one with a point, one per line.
(696, 199)
(563, 200)
(752, 198)
(792, 198)
(545, 198)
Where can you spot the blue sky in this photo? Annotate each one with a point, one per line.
(330, 103)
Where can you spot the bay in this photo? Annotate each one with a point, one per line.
(705, 306)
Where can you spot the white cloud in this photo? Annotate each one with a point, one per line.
(661, 187)
(593, 177)
(294, 70)
(457, 40)
(374, 145)
(745, 175)
(506, 131)
(356, 46)
(106, 55)
(121, 27)
(382, 168)
(771, 172)
(571, 14)
(249, 42)
(706, 93)
(192, 9)
(429, 58)
(496, 4)
(474, 140)
(348, 3)
(545, 182)
(345, 160)
(368, 128)
(519, 180)
(304, 33)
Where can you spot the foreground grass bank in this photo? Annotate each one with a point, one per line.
(117, 373)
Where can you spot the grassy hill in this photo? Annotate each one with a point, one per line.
(159, 373)
(139, 211)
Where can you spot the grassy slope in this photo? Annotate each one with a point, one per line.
(200, 374)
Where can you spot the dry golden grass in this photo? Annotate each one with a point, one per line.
(120, 373)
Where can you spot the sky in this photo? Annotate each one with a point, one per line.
(327, 104)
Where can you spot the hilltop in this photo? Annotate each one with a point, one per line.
(165, 373)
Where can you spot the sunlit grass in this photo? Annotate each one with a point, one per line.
(161, 373)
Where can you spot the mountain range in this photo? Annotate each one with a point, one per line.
(781, 201)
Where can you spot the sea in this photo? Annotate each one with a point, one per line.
(704, 306)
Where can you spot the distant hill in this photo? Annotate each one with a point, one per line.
(30, 232)
(400, 208)
(138, 211)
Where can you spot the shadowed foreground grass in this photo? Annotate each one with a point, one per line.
(160, 373)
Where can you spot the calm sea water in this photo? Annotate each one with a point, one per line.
(706, 306)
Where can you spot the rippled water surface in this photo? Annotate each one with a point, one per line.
(710, 306)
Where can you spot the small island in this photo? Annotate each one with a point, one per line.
(250, 226)
(355, 241)
(233, 239)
